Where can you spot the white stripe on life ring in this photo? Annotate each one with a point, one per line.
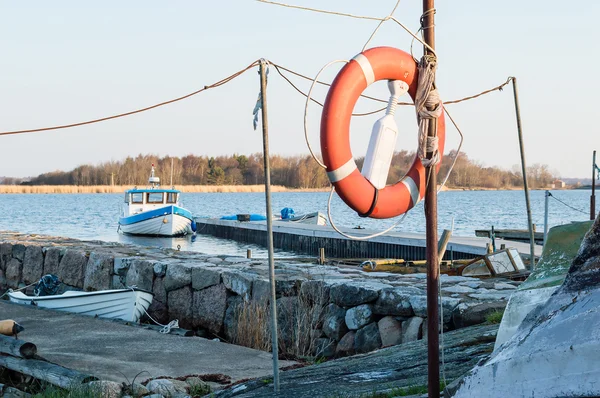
(366, 67)
(342, 172)
(412, 189)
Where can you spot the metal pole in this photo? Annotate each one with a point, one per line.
(431, 239)
(265, 129)
(593, 197)
(524, 169)
(546, 216)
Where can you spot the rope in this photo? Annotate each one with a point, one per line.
(166, 329)
(214, 85)
(429, 108)
(568, 205)
(380, 24)
(17, 290)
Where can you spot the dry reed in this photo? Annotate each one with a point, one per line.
(65, 189)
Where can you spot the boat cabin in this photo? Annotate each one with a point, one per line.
(141, 200)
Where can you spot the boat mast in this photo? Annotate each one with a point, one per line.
(153, 181)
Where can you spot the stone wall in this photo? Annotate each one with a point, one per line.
(350, 311)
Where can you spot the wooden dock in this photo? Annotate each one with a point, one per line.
(518, 235)
(308, 239)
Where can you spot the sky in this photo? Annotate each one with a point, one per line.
(69, 61)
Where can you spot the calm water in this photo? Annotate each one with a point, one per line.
(95, 216)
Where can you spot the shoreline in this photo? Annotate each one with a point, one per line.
(92, 189)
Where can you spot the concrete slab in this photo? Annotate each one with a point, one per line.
(118, 352)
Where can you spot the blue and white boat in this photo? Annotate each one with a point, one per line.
(155, 211)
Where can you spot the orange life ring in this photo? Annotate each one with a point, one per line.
(380, 63)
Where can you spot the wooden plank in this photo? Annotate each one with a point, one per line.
(16, 347)
(46, 371)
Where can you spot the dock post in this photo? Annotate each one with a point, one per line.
(322, 255)
(593, 197)
(249, 253)
(547, 195)
(265, 130)
(433, 270)
(524, 169)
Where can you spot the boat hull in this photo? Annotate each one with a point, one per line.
(126, 304)
(167, 221)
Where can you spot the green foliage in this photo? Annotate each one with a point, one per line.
(494, 317)
(80, 391)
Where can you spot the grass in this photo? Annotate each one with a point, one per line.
(82, 391)
(494, 317)
(46, 189)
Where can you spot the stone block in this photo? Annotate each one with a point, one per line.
(177, 276)
(325, 347)
(159, 312)
(474, 313)
(288, 323)
(334, 323)
(105, 388)
(5, 255)
(98, 272)
(52, 260)
(121, 266)
(238, 282)
(367, 339)
(345, 346)
(166, 387)
(418, 303)
(3, 285)
(13, 273)
(352, 294)
(359, 316)
(160, 269)
(390, 330)
(140, 274)
(231, 317)
(71, 269)
(261, 291)
(159, 291)
(411, 329)
(33, 264)
(395, 301)
(203, 277)
(18, 251)
(209, 307)
(179, 303)
(315, 292)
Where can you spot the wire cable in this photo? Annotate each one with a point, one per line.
(566, 204)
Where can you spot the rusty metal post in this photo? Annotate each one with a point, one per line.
(524, 169)
(593, 197)
(431, 239)
(265, 129)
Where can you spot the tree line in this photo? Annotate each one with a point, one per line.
(289, 171)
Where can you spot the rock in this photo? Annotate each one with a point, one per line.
(237, 260)
(504, 286)
(474, 313)
(458, 289)
(359, 316)
(159, 312)
(139, 390)
(3, 284)
(159, 291)
(353, 294)
(160, 269)
(290, 323)
(448, 305)
(209, 308)
(471, 284)
(502, 295)
(395, 301)
(5, 254)
(13, 273)
(367, 339)
(419, 305)
(411, 329)
(18, 251)
(179, 303)
(334, 323)
(11, 392)
(238, 282)
(261, 291)
(315, 292)
(33, 264)
(203, 277)
(97, 272)
(345, 346)
(198, 387)
(325, 348)
(105, 388)
(166, 387)
(177, 276)
(121, 266)
(140, 274)
(214, 260)
(390, 331)
(52, 260)
(71, 269)
(231, 317)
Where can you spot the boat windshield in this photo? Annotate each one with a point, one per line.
(154, 197)
(137, 198)
(171, 197)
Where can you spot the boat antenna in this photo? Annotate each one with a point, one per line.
(154, 181)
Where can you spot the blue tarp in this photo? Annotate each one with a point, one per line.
(253, 217)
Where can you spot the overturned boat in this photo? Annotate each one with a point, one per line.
(126, 304)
